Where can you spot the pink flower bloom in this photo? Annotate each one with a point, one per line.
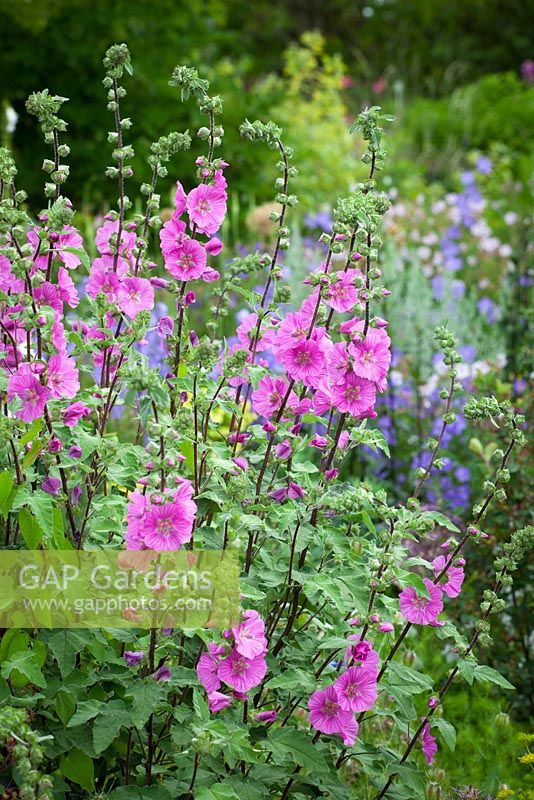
(66, 288)
(372, 357)
(214, 246)
(62, 377)
(454, 577)
(354, 395)
(267, 398)
(59, 340)
(342, 295)
(133, 657)
(217, 701)
(172, 236)
(137, 504)
(246, 333)
(266, 716)
(319, 441)
(428, 744)
(304, 362)
(180, 199)
(356, 689)
(418, 609)
(362, 652)
(162, 674)
(135, 295)
(249, 636)
(102, 281)
(210, 275)
(47, 295)
(169, 526)
(69, 237)
(165, 327)
(27, 387)
(326, 714)
(292, 330)
(74, 413)
(206, 206)
(8, 282)
(283, 450)
(295, 491)
(104, 234)
(350, 733)
(242, 673)
(386, 627)
(187, 262)
(207, 672)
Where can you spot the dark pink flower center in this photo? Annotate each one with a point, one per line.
(367, 357)
(303, 358)
(165, 526)
(352, 393)
(352, 690)
(330, 708)
(186, 262)
(275, 398)
(240, 666)
(421, 602)
(203, 207)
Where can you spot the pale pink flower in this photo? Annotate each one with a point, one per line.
(428, 744)
(246, 334)
(354, 395)
(66, 288)
(341, 295)
(304, 362)
(62, 377)
(357, 689)
(169, 526)
(418, 609)
(186, 262)
(135, 295)
(214, 246)
(172, 235)
(292, 330)
(326, 714)
(102, 281)
(242, 673)
(207, 672)
(27, 387)
(267, 398)
(249, 636)
(452, 581)
(69, 237)
(59, 340)
(109, 229)
(372, 356)
(206, 206)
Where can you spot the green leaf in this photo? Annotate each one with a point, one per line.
(291, 679)
(6, 492)
(447, 730)
(30, 529)
(79, 768)
(467, 670)
(65, 646)
(80, 252)
(216, 792)
(409, 679)
(200, 706)
(112, 717)
(85, 711)
(486, 674)
(24, 662)
(64, 705)
(147, 696)
(444, 522)
(286, 741)
(140, 793)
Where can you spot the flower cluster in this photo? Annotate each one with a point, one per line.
(161, 520)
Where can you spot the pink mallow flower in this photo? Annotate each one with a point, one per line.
(135, 295)
(354, 395)
(62, 377)
(206, 206)
(74, 413)
(217, 701)
(418, 609)
(356, 689)
(342, 295)
(187, 262)
(249, 636)
(452, 581)
(372, 356)
(267, 398)
(304, 362)
(27, 387)
(428, 744)
(169, 526)
(326, 714)
(242, 673)
(207, 668)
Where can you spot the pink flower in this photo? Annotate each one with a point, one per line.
(180, 199)
(169, 526)
(418, 609)
(104, 234)
(319, 441)
(8, 282)
(172, 236)
(283, 450)
(350, 732)
(249, 636)
(326, 714)
(137, 504)
(186, 262)
(51, 485)
(292, 330)
(246, 333)
(356, 689)
(102, 281)
(165, 327)
(342, 295)
(135, 295)
(362, 652)
(74, 413)
(386, 627)
(214, 246)
(267, 398)
(207, 672)
(266, 716)
(47, 295)
(304, 362)
(354, 395)
(27, 387)
(372, 356)
(66, 288)
(206, 206)
(454, 577)
(242, 673)
(133, 657)
(428, 744)
(69, 237)
(217, 701)
(62, 377)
